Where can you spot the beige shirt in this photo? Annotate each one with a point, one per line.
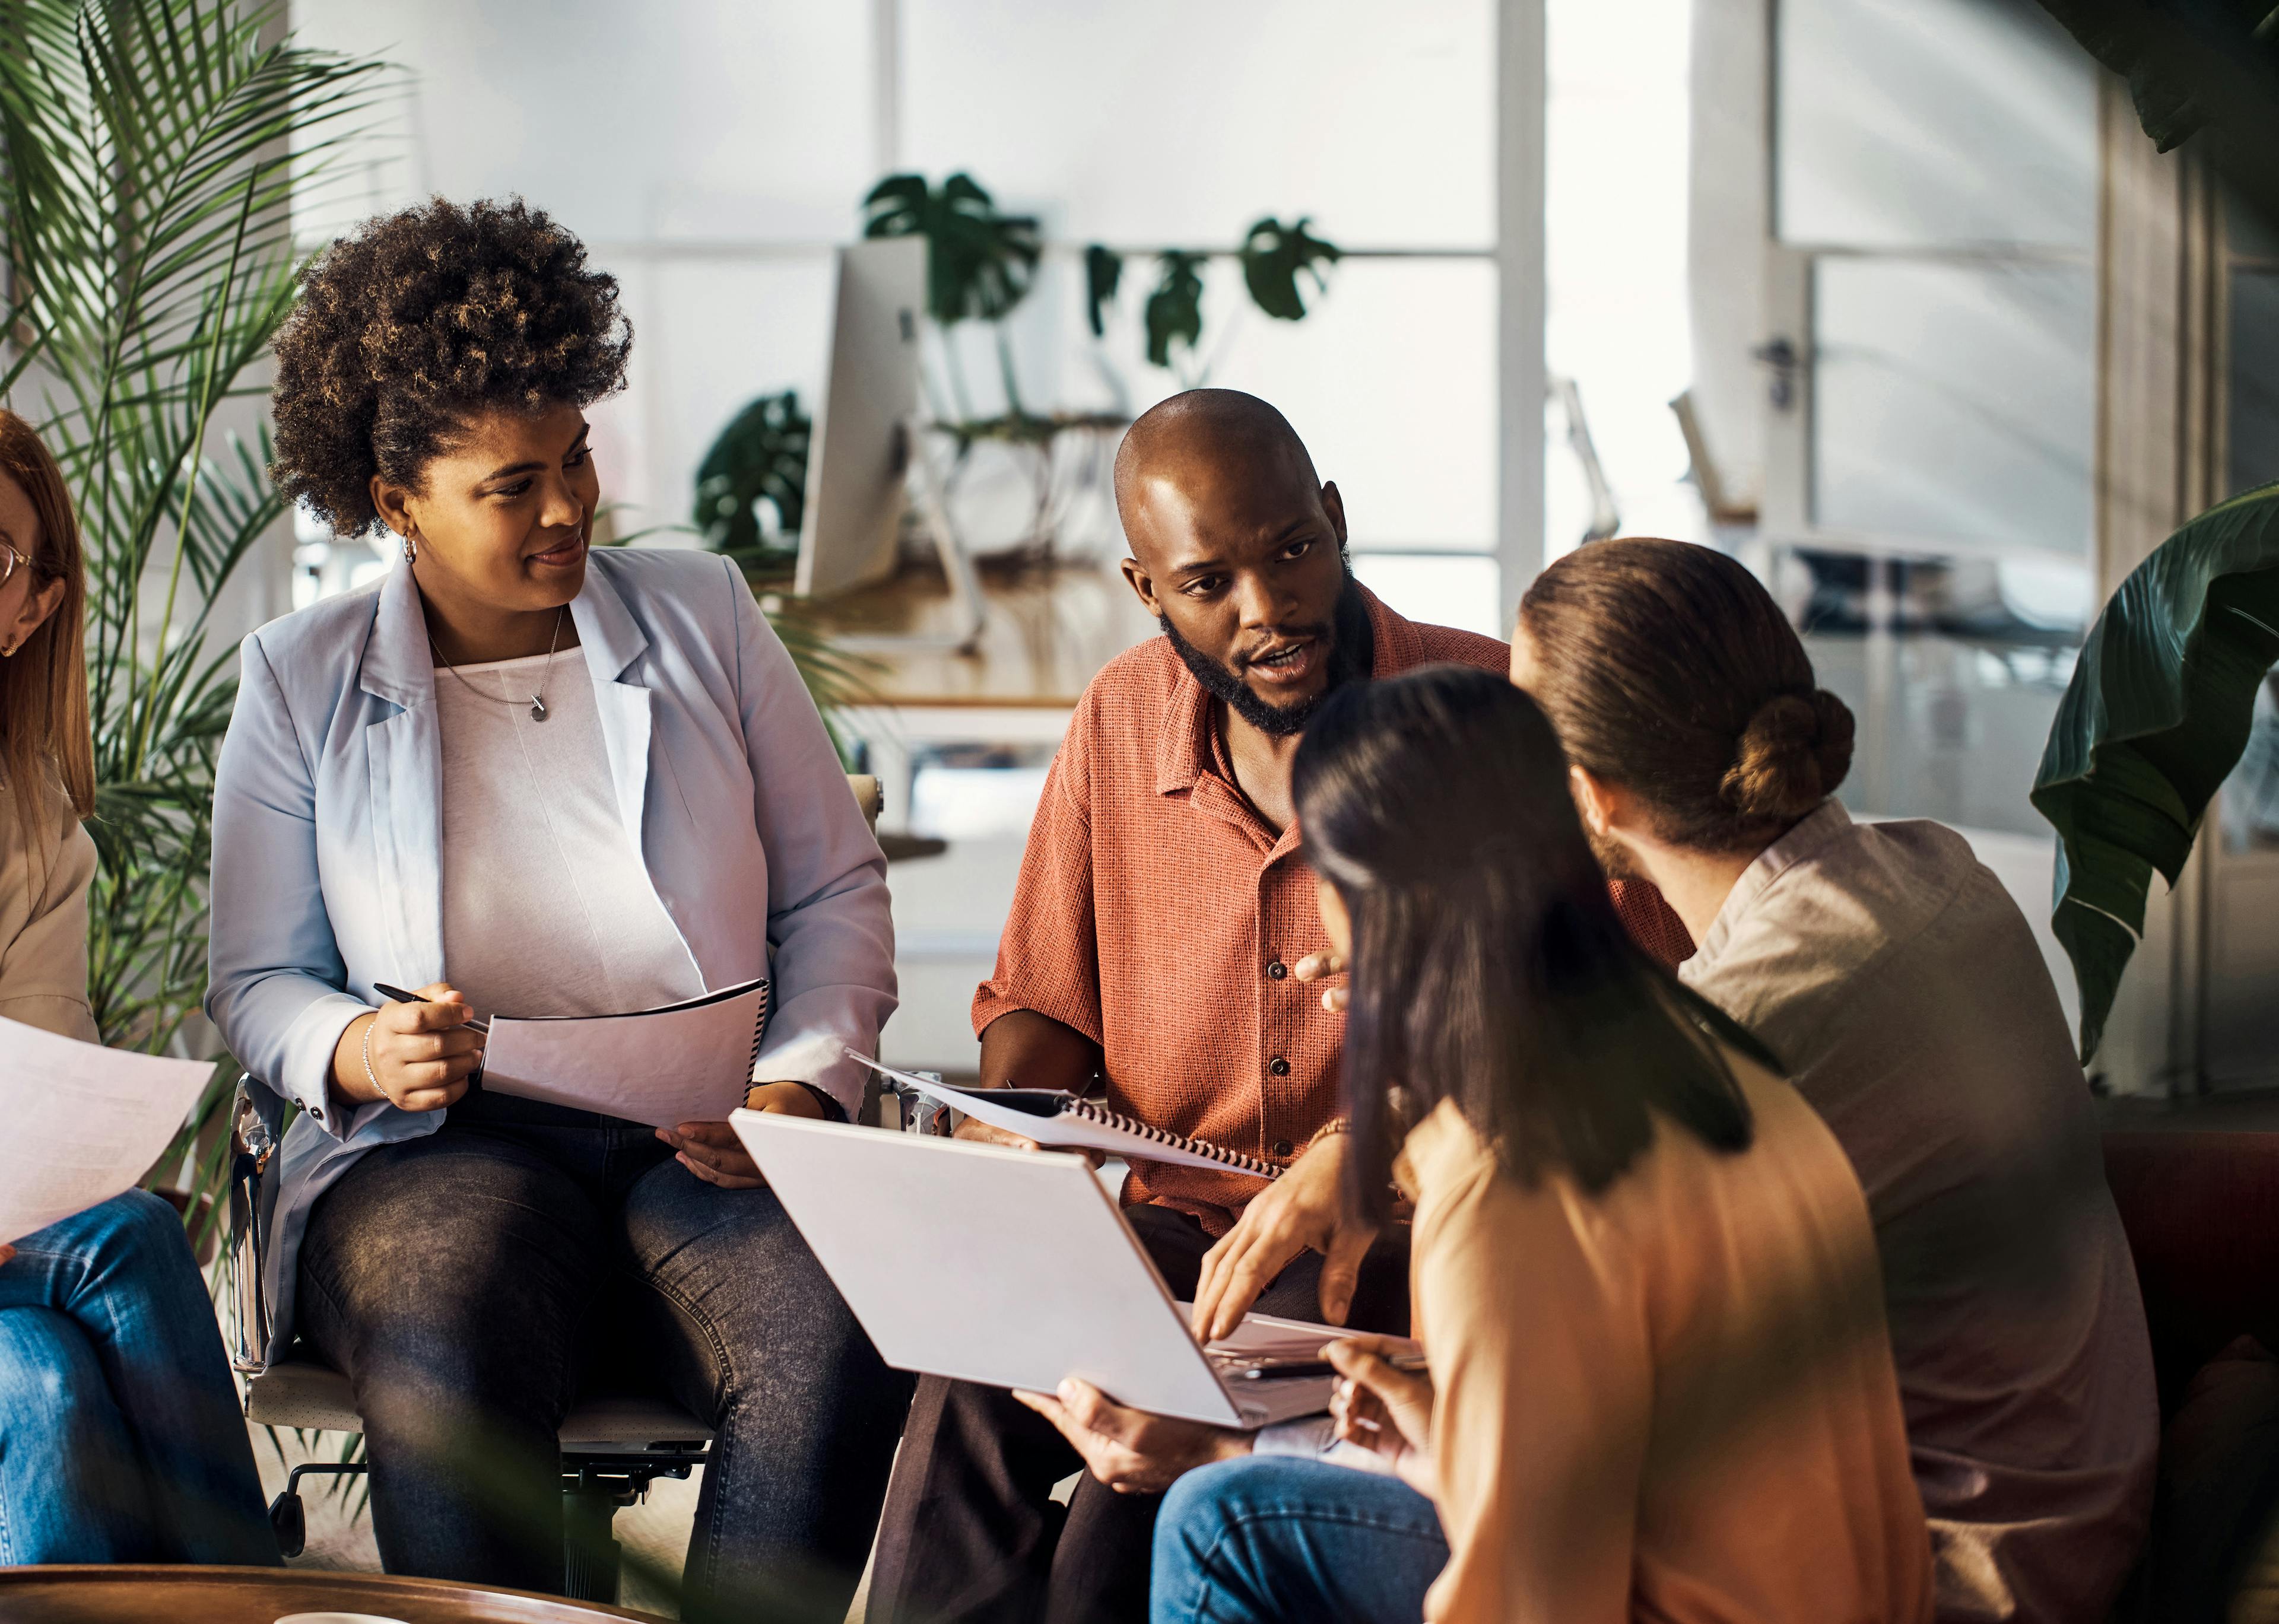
(1896, 981)
(548, 908)
(1688, 1414)
(44, 873)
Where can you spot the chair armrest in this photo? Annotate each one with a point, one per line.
(255, 1115)
(868, 794)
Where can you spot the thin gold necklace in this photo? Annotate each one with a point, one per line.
(538, 698)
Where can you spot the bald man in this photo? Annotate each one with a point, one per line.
(1158, 935)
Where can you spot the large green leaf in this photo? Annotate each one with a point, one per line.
(1103, 272)
(979, 262)
(1273, 257)
(1175, 310)
(762, 452)
(2155, 720)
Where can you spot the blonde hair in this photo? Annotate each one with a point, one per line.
(44, 734)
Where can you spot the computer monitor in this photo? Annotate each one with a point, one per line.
(868, 454)
(860, 450)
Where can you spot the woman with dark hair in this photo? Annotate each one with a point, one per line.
(521, 776)
(1894, 974)
(1643, 1273)
(120, 1438)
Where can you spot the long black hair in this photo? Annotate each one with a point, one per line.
(1488, 964)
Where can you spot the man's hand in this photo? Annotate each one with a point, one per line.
(1322, 966)
(1305, 1208)
(1385, 1409)
(976, 1132)
(1130, 1451)
(713, 1153)
(973, 1130)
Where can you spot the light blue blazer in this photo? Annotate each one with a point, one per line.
(328, 872)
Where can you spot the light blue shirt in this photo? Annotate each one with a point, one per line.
(327, 869)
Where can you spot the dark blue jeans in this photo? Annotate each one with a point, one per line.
(1276, 1538)
(472, 1282)
(120, 1435)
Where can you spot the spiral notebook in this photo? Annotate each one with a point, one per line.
(1060, 1121)
(685, 1062)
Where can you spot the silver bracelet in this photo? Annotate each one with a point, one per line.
(370, 1076)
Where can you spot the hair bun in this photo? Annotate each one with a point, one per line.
(1792, 755)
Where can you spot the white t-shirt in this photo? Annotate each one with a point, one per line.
(548, 908)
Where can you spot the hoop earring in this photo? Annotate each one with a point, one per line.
(411, 551)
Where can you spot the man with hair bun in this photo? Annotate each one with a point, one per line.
(1896, 979)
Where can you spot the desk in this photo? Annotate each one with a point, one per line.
(132, 1594)
(1049, 631)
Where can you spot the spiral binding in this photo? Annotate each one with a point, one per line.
(1132, 1125)
(759, 1029)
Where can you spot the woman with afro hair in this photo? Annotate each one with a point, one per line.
(527, 777)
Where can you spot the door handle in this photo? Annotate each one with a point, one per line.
(1779, 355)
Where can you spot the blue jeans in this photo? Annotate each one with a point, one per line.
(1274, 1537)
(120, 1437)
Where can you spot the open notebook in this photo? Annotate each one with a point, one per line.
(1064, 1121)
(685, 1062)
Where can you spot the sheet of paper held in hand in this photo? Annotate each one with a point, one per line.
(685, 1062)
(81, 1122)
(1060, 1132)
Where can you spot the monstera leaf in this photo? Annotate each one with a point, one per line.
(1174, 310)
(1103, 272)
(1273, 257)
(2155, 720)
(979, 262)
(762, 452)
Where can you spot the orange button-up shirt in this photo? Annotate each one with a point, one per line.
(1159, 914)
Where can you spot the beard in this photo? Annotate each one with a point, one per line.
(1614, 857)
(1353, 650)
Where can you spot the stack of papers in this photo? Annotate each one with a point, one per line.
(83, 1123)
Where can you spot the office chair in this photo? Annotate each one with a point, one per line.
(613, 1445)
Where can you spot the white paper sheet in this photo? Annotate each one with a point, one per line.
(1059, 1132)
(81, 1122)
(684, 1063)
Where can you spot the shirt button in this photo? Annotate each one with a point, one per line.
(1281, 1147)
(1279, 1067)
(1277, 969)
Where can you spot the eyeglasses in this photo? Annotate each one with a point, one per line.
(11, 560)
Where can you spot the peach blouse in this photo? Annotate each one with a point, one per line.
(1673, 1399)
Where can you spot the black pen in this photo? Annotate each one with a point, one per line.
(400, 996)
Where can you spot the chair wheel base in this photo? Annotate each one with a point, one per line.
(289, 1518)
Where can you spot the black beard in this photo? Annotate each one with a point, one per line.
(1352, 651)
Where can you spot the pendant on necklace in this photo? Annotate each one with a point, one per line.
(537, 709)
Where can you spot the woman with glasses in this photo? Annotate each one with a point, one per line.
(121, 1439)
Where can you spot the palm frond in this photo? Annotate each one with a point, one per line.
(151, 153)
